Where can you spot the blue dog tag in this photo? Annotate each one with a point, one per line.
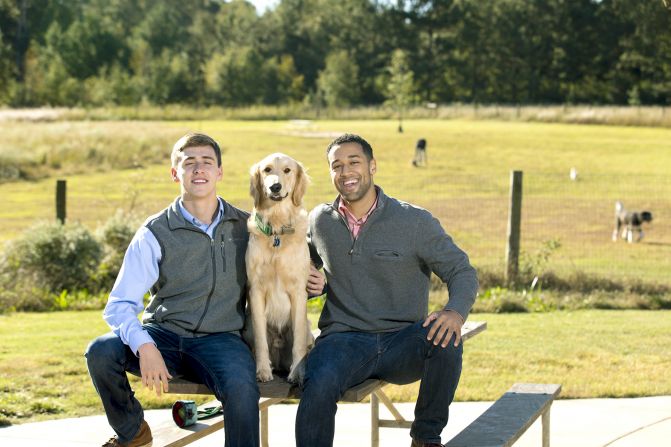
(276, 242)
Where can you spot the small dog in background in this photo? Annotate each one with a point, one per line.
(629, 222)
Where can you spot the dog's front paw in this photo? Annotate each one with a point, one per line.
(264, 373)
(297, 373)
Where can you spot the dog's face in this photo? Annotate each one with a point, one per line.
(276, 178)
(646, 216)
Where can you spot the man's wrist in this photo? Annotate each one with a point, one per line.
(456, 313)
(145, 346)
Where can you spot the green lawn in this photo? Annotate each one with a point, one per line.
(465, 183)
(591, 353)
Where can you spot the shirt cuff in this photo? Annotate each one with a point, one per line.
(138, 339)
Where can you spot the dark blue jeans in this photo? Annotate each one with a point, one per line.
(221, 361)
(341, 360)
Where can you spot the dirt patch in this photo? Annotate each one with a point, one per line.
(30, 114)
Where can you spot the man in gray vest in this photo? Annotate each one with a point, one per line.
(191, 257)
(378, 254)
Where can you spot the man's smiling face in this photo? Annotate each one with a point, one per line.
(197, 172)
(351, 172)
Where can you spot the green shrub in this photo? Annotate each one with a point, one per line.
(78, 300)
(59, 267)
(53, 257)
(114, 235)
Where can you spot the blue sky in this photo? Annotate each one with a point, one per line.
(261, 5)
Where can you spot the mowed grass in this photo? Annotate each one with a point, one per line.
(465, 184)
(43, 371)
(591, 353)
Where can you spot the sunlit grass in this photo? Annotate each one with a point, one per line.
(465, 184)
(43, 371)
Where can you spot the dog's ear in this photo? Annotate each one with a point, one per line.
(300, 186)
(255, 185)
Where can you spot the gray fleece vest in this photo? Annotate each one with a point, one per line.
(202, 280)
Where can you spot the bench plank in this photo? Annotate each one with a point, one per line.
(509, 417)
(280, 388)
(276, 388)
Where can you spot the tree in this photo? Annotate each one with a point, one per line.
(6, 70)
(643, 67)
(172, 79)
(400, 90)
(235, 78)
(283, 83)
(88, 45)
(339, 80)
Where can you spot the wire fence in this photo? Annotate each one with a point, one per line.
(567, 224)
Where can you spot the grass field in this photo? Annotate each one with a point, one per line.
(465, 183)
(591, 353)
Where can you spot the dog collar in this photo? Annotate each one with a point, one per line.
(263, 227)
(267, 229)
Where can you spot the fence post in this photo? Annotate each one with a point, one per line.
(514, 223)
(61, 187)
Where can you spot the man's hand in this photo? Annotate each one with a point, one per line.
(316, 282)
(445, 323)
(152, 367)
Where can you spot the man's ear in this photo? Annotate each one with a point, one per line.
(373, 166)
(173, 174)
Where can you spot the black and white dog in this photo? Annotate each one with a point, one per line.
(629, 222)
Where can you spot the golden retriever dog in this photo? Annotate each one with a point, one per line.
(278, 266)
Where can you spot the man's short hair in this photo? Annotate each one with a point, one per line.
(352, 138)
(194, 140)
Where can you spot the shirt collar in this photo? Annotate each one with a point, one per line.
(216, 217)
(342, 209)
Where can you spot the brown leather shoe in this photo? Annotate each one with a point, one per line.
(142, 439)
(416, 443)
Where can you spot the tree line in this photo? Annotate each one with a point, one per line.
(334, 52)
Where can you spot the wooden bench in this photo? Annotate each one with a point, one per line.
(509, 417)
(278, 390)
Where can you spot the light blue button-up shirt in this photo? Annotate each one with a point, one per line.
(139, 272)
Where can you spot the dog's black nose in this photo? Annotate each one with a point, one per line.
(275, 188)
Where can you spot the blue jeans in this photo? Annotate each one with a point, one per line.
(221, 361)
(341, 360)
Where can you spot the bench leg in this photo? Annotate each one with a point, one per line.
(545, 421)
(264, 427)
(264, 404)
(390, 406)
(374, 420)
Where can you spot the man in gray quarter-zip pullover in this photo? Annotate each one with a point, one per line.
(191, 258)
(378, 254)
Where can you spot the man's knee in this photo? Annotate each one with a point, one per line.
(323, 384)
(103, 351)
(241, 396)
(450, 351)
